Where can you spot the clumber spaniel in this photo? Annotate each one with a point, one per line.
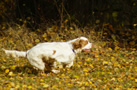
(49, 53)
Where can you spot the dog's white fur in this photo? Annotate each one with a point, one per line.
(51, 52)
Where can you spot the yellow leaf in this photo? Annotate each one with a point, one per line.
(12, 84)
(42, 83)
(20, 19)
(104, 34)
(129, 88)
(86, 73)
(54, 86)
(66, 21)
(67, 77)
(133, 49)
(91, 66)
(41, 80)
(29, 87)
(110, 49)
(30, 45)
(7, 71)
(90, 82)
(37, 40)
(45, 85)
(86, 83)
(60, 66)
(132, 78)
(19, 27)
(44, 35)
(17, 86)
(116, 48)
(71, 28)
(85, 64)
(94, 86)
(113, 79)
(132, 43)
(115, 14)
(63, 75)
(68, 69)
(85, 69)
(116, 64)
(3, 67)
(97, 21)
(136, 80)
(104, 43)
(88, 59)
(38, 30)
(134, 4)
(13, 67)
(135, 68)
(98, 58)
(80, 62)
(76, 76)
(24, 85)
(45, 38)
(112, 58)
(133, 37)
(116, 69)
(10, 74)
(3, 27)
(70, 85)
(25, 21)
(105, 63)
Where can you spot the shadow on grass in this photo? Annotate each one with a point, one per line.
(29, 70)
(23, 70)
(26, 69)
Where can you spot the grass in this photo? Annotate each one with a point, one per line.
(103, 68)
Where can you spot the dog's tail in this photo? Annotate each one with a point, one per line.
(15, 53)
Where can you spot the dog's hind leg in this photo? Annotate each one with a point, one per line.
(37, 64)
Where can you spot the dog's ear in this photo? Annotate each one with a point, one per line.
(78, 44)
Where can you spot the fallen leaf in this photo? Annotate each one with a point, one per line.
(7, 71)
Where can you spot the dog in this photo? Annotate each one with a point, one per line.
(47, 54)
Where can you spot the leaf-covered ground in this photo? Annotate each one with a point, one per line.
(105, 67)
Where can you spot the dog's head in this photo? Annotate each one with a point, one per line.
(81, 43)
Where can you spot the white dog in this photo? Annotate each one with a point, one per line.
(47, 54)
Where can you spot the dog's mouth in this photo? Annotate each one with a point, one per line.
(86, 50)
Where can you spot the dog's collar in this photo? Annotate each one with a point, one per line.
(73, 50)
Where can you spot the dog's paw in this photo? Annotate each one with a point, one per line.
(69, 65)
(55, 71)
(35, 68)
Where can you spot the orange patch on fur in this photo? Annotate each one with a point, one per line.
(54, 51)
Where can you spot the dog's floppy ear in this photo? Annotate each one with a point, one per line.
(76, 44)
(79, 43)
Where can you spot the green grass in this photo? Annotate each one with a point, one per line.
(103, 68)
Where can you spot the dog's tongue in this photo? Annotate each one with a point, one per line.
(87, 50)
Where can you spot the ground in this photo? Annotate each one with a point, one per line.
(107, 66)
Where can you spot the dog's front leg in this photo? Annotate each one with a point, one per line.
(55, 71)
(54, 68)
(69, 65)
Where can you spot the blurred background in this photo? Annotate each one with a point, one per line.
(114, 19)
